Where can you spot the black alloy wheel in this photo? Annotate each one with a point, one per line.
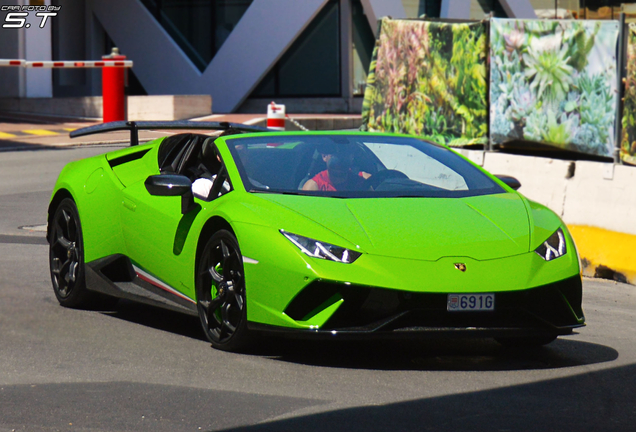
(220, 290)
(66, 256)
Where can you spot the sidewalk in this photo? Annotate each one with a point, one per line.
(23, 131)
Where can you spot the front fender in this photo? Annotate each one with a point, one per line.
(97, 194)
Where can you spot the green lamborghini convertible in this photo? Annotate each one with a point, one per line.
(332, 234)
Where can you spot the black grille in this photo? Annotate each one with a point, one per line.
(552, 306)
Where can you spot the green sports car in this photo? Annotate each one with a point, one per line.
(332, 234)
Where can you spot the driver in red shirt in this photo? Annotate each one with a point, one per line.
(337, 176)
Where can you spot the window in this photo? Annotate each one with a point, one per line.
(199, 27)
(311, 66)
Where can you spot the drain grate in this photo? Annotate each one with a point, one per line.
(38, 228)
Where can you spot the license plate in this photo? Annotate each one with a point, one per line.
(470, 302)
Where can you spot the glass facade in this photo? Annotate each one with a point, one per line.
(199, 27)
(311, 66)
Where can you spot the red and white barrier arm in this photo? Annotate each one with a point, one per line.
(7, 62)
(79, 64)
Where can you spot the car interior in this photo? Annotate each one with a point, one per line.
(192, 155)
(289, 168)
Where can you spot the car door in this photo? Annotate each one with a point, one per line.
(155, 231)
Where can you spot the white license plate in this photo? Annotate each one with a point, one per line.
(470, 302)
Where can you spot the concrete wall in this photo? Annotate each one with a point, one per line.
(37, 46)
(612, 190)
(168, 107)
(32, 43)
(11, 47)
(139, 107)
(318, 123)
(335, 105)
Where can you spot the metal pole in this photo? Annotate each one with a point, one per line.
(488, 146)
(346, 53)
(620, 74)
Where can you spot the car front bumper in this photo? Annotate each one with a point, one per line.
(552, 309)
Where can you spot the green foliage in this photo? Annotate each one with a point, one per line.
(579, 50)
(522, 103)
(549, 72)
(559, 132)
(536, 124)
(628, 140)
(545, 87)
(429, 79)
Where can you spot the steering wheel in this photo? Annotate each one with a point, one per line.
(381, 176)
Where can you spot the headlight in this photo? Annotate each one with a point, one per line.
(318, 249)
(553, 247)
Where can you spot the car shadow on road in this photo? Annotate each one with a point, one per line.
(157, 318)
(593, 401)
(402, 354)
(437, 355)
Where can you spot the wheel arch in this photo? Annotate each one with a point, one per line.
(59, 196)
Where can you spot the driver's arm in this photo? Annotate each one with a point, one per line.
(310, 185)
(201, 187)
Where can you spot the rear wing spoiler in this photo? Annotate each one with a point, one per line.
(135, 126)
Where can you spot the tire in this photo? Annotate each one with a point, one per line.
(66, 257)
(526, 342)
(220, 288)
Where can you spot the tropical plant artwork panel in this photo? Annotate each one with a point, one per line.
(628, 141)
(429, 79)
(554, 82)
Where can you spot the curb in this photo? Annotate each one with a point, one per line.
(605, 254)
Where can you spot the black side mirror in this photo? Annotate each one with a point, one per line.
(172, 185)
(511, 182)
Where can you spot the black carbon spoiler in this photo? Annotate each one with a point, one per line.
(135, 126)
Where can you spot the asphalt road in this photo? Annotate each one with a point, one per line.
(137, 368)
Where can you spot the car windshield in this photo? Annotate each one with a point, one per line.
(355, 166)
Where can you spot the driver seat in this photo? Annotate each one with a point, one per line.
(317, 165)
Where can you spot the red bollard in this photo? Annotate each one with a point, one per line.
(113, 82)
(276, 116)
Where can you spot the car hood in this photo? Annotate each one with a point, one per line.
(482, 227)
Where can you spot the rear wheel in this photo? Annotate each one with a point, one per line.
(66, 256)
(526, 341)
(220, 288)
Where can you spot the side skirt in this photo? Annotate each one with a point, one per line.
(116, 276)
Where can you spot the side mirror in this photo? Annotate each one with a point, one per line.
(172, 185)
(511, 182)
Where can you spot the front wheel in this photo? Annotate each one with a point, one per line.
(220, 288)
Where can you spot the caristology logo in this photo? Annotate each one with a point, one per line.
(17, 16)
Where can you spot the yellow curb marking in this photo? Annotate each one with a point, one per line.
(6, 135)
(604, 247)
(70, 129)
(40, 132)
